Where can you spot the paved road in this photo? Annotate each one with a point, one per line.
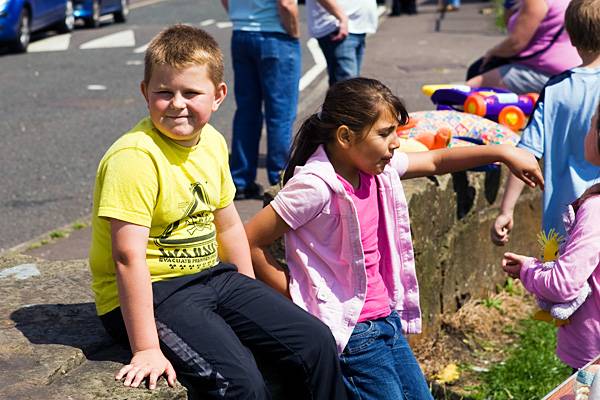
(71, 96)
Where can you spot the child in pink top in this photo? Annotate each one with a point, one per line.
(579, 341)
(347, 232)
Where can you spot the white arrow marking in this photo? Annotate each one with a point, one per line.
(53, 43)
(141, 49)
(315, 70)
(118, 39)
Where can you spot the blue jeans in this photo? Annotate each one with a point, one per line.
(266, 67)
(344, 58)
(378, 363)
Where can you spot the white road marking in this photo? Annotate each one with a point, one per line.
(141, 49)
(134, 62)
(53, 43)
(315, 70)
(144, 3)
(96, 87)
(207, 22)
(119, 39)
(223, 25)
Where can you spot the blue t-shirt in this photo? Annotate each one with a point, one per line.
(255, 15)
(555, 133)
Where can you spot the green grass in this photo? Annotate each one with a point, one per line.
(531, 371)
(492, 303)
(58, 234)
(499, 15)
(78, 225)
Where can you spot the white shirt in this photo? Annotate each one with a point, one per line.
(362, 17)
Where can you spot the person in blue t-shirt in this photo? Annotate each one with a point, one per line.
(265, 51)
(558, 125)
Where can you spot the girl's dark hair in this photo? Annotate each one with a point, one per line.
(356, 103)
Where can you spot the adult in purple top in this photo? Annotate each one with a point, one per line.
(537, 47)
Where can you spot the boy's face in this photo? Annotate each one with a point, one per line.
(592, 141)
(181, 101)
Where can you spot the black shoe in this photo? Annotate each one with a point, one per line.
(252, 191)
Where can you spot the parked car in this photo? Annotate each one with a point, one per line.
(90, 11)
(20, 18)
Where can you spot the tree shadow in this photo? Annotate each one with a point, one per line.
(74, 325)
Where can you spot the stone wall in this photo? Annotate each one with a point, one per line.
(451, 217)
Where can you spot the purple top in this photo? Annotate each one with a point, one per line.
(561, 55)
(579, 341)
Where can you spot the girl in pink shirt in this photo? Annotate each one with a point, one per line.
(347, 233)
(579, 341)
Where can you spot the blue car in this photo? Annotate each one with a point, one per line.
(20, 18)
(91, 10)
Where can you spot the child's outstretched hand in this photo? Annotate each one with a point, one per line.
(525, 167)
(512, 264)
(149, 363)
(500, 231)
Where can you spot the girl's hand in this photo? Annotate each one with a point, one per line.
(147, 363)
(525, 167)
(501, 228)
(512, 264)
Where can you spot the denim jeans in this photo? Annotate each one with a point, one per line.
(344, 58)
(266, 67)
(378, 363)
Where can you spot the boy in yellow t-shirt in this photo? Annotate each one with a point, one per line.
(168, 243)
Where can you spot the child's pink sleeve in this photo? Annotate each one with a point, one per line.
(300, 200)
(400, 162)
(579, 259)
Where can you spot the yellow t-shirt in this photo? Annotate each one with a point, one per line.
(149, 180)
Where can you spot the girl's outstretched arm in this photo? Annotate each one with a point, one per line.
(262, 231)
(442, 161)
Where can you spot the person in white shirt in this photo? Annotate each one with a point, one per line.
(340, 26)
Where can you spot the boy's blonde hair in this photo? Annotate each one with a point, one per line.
(582, 20)
(180, 46)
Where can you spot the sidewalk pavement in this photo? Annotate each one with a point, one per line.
(52, 346)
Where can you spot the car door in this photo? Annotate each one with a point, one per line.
(56, 11)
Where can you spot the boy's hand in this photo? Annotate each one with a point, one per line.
(525, 167)
(500, 232)
(512, 264)
(147, 363)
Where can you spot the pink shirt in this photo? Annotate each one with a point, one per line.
(324, 253)
(367, 208)
(561, 55)
(578, 261)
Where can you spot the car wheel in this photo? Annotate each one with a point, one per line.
(24, 34)
(121, 15)
(94, 20)
(68, 23)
